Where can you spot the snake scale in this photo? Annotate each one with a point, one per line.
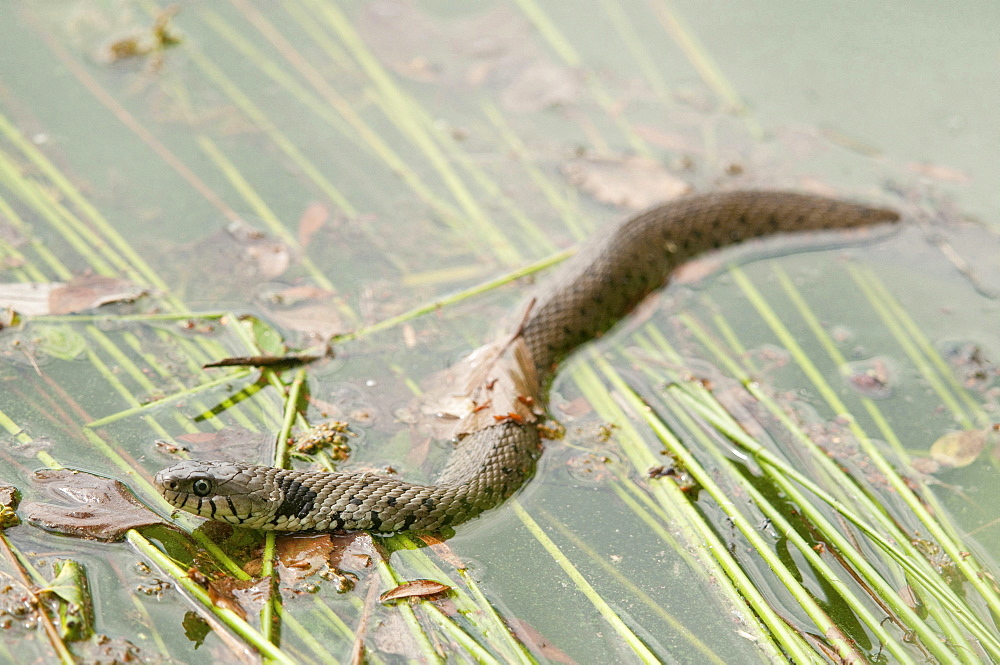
(607, 277)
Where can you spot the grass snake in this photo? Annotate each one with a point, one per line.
(599, 285)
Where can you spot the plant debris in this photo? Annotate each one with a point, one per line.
(99, 509)
(312, 220)
(872, 378)
(290, 360)
(414, 589)
(494, 383)
(959, 449)
(76, 610)
(229, 443)
(143, 42)
(244, 597)
(630, 182)
(332, 433)
(318, 320)
(195, 628)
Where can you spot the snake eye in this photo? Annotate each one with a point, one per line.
(202, 487)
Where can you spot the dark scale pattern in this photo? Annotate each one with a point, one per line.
(609, 276)
(298, 499)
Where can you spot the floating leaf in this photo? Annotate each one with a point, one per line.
(312, 219)
(77, 610)
(269, 255)
(627, 182)
(319, 319)
(101, 508)
(230, 443)
(539, 86)
(354, 551)
(300, 557)
(9, 318)
(241, 596)
(195, 628)
(873, 378)
(416, 588)
(958, 449)
(91, 291)
(493, 383)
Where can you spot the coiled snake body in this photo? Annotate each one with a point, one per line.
(588, 294)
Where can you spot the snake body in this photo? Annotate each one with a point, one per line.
(606, 278)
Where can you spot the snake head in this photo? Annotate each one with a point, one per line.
(224, 491)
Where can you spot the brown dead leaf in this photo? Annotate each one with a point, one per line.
(270, 255)
(673, 141)
(627, 182)
(312, 219)
(100, 508)
(79, 294)
(926, 465)
(244, 597)
(300, 557)
(354, 552)
(230, 443)
(289, 360)
(497, 47)
(416, 588)
(320, 320)
(442, 550)
(295, 295)
(873, 378)
(541, 85)
(958, 449)
(231, 262)
(496, 382)
(307, 309)
(91, 291)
